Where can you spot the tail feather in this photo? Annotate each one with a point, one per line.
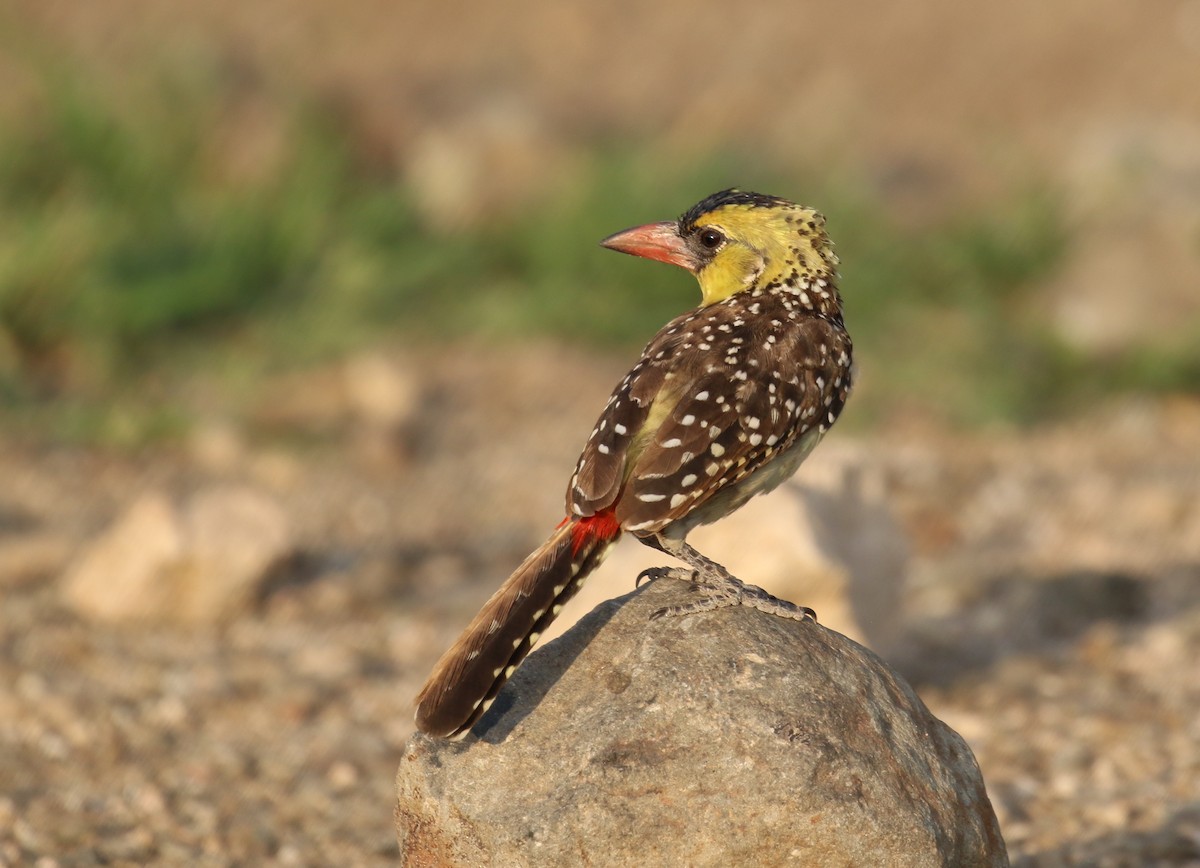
(470, 674)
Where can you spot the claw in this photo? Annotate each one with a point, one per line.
(651, 574)
(648, 575)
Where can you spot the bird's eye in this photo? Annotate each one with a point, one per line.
(711, 238)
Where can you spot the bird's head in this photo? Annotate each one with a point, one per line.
(735, 241)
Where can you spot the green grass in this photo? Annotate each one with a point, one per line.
(131, 255)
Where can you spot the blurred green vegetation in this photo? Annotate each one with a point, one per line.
(134, 252)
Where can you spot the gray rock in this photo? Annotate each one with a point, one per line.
(728, 738)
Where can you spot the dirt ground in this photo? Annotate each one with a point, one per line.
(1052, 616)
(1052, 603)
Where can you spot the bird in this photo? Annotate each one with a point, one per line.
(724, 404)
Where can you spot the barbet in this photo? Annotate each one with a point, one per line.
(725, 403)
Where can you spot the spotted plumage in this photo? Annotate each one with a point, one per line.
(725, 403)
(737, 384)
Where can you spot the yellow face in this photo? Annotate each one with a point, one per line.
(740, 247)
(735, 241)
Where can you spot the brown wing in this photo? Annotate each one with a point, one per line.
(600, 471)
(718, 432)
(753, 401)
(714, 397)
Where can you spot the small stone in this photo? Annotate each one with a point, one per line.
(200, 562)
(123, 573)
(383, 396)
(342, 776)
(217, 445)
(380, 391)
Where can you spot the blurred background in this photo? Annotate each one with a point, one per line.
(303, 322)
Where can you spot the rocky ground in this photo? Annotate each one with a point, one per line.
(1049, 612)
(1040, 588)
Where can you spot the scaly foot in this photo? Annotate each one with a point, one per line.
(719, 591)
(728, 591)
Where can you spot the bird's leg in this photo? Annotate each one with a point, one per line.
(652, 574)
(717, 586)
